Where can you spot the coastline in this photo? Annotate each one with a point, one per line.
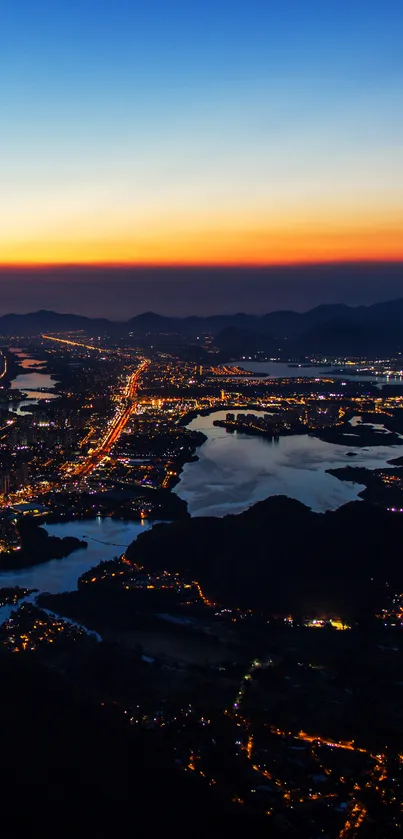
(42, 548)
(388, 495)
(190, 457)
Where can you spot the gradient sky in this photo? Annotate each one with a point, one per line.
(218, 131)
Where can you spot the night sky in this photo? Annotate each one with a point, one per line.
(218, 133)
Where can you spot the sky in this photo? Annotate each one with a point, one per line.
(211, 133)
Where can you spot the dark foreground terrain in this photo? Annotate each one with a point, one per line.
(73, 767)
(245, 678)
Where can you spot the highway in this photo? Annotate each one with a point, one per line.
(114, 431)
(3, 373)
(105, 351)
(84, 468)
(74, 343)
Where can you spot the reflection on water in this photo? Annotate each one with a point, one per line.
(106, 539)
(35, 379)
(30, 382)
(28, 363)
(34, 396)
(282, 370)
(235, 470)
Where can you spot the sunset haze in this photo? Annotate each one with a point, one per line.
(224, 133)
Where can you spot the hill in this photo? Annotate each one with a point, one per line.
(282, 558)
(331, 329)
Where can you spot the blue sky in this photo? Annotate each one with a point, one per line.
(211, 132)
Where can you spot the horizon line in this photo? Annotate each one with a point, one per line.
(127, 266)
(200, 317)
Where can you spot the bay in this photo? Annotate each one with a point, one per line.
(106, 538)
(283, 370)
(235, 471)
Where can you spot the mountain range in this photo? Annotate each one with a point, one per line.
(325, 329)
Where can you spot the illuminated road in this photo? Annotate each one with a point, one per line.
(93, 460)
(4, 366)
(102, 350)
(74, 343)
(115, 430)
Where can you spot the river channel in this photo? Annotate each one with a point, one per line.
(235, 471)
(106, 538)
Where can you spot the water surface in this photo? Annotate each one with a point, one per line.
(282, 370)
(106, 539)
(235, 471)
(30, 382)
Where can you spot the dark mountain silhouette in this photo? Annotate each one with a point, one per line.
(331, 329)
(289, 324)
(151, 322)
(46, 321)
(236, 341)
(281, 557)
(350, 338)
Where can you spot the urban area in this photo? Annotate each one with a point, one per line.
(281, 700)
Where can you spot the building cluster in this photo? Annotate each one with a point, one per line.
(391, 616)
(271, 734)
(9, 536)
(31, 629)
(96, 434)
(390, 479)
(307, 415)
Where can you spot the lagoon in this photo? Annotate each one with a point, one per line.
(235, 470)
(29, 382)
(106, 538)
(283, 370)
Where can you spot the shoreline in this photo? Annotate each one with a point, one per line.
(253, 431)
(189, 416)
(387, 495)
(192, 457)
(40, 551)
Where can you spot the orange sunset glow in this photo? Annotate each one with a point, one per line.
(225, 243)
(269, 140)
